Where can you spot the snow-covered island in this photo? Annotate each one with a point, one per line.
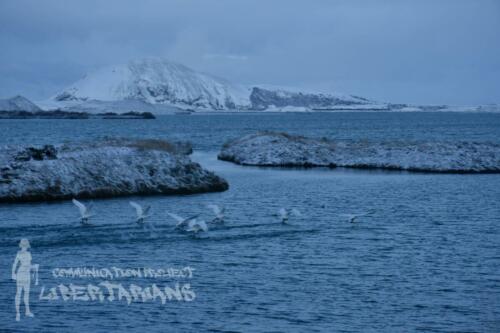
(106, 168)
(284, 150)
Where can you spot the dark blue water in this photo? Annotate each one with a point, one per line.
(425, 257)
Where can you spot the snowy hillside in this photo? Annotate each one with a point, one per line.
(18, 103)
(170, 86)
(156, 81)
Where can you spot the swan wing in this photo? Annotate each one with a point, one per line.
(176, 217)
(138, 208)
(191, 218)
(81, 207)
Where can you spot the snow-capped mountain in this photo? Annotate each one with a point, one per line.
(18, 103)
(167, 85)
(156, 81)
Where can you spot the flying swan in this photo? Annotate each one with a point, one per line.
(284, 214)
(196, 226)
(141, 213)
(219, 213)
(84, 211)
(182, 222)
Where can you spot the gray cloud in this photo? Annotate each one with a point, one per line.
(423, 51)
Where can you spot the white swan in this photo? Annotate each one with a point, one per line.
(84, 211)
(141, 213)
(197, 226)
(182, 222)
(219, 213)
(284, 214)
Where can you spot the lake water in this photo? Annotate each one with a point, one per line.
(425, 257)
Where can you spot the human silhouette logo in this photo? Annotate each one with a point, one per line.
(21, 273)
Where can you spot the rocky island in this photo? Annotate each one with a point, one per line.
(108, 168)
(284, 150)
(60, 114)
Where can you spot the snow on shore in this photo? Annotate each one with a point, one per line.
(280, 149)
(101, 169)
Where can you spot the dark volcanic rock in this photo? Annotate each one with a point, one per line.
(46, 152)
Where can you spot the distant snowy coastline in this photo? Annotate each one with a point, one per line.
(126, 108)
(159, 86)
(164, 87)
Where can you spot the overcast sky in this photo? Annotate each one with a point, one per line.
(416, 51)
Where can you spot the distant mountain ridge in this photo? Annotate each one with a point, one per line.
(18, 103)
(159, 86)
(157, 81)
(262, 99)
